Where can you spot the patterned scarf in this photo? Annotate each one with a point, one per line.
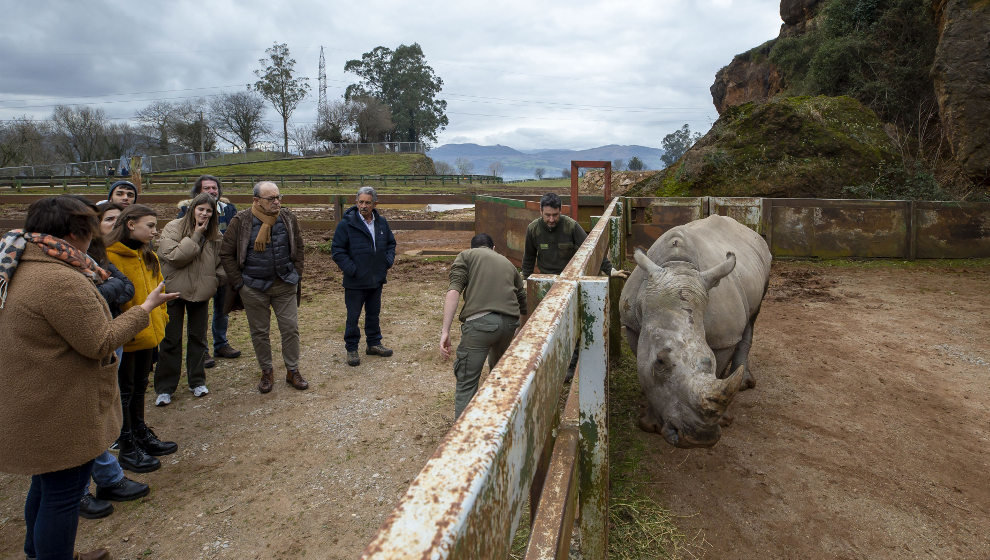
(12, 247)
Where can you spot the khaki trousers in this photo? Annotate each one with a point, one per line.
(258, 305)
(485, 337)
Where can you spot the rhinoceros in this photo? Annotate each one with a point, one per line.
(687, 312)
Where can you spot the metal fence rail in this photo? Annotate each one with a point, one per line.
(468, 500)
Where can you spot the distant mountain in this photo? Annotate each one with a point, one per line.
(521, 164)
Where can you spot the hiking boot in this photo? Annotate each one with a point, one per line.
(267, 380)
(226, 351)
(92, 508)
(378, 350)
(146, 439)
(133, 458)
(123, 491)
(209, 362)
(352, 358)
(292, 377)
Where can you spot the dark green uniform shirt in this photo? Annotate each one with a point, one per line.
(551, 250)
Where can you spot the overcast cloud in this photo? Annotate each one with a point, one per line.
(522, 74)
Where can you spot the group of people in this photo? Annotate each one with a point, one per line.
(94, 309)
(90, 307)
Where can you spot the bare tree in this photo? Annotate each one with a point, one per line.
(338, 122)
(304, 137)
(122, 139)
(278, 85)
(618, 164)
(464, 165)
(373, 120)
(539, 172)
(158, 120)
(238, 118)
(80, 134)
(190, 128)
(443, 168)
(22, 142)
(495, 168)
(565, 173)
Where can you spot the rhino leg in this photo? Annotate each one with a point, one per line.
(632, 337)
(741, 354)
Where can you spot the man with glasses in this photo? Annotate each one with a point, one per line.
(364, 249)
(262, 253)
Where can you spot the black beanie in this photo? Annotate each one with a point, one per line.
(123, 184)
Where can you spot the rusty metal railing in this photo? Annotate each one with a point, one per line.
(468, 500)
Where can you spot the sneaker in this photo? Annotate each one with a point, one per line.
(200, 390)
(352, 358)
(226, 351)
(92, 508)
(163, 399)
(378, 350)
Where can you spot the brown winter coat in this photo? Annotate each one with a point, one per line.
(234, 250)
(191, 265)
(60, 405)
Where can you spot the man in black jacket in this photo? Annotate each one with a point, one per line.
(364, 249)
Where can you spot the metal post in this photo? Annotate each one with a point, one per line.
(593, 368)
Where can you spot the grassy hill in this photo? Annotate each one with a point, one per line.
(378, 164)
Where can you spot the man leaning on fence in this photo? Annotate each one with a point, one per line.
(494, 299)
(225, 212)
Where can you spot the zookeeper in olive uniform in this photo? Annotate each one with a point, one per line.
(494, 298)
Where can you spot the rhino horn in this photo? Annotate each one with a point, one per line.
(710, 278)
(722, 390)
(642, 260)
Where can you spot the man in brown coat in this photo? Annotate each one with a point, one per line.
(262, 253)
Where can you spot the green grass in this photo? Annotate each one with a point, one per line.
(378, 164)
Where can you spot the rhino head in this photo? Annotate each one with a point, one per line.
(677, 368)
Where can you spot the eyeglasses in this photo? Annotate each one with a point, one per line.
(271, 198)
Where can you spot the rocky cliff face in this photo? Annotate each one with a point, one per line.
(960, 74)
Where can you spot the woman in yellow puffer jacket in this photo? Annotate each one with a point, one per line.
(129, 249)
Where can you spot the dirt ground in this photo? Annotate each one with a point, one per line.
(866, 436)
(867, 433)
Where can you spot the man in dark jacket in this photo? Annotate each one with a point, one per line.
(262, 254)
(225, 213)
(364, 249)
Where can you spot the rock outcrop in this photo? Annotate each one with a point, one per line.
(593, 181)
(795, 147)
(749, 77)
(961, 75)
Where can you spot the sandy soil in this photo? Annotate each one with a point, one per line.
(866, 436)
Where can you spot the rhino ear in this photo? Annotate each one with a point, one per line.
(711, 277)
(642, 260)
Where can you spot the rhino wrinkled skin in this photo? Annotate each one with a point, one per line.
(687, 312)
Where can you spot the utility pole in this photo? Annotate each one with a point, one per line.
(202, 138)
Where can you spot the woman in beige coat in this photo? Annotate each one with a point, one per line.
(60, 404)
(189, 250)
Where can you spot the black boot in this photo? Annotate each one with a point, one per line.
(133, 458)
(146, 439)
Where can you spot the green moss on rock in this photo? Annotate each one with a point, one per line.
(791, 147)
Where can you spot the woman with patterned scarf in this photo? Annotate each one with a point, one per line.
(59, 407)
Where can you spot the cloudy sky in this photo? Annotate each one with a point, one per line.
(526, 74)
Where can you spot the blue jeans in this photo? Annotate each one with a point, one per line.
(371, 301)
(219, 320)
(51, 512)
